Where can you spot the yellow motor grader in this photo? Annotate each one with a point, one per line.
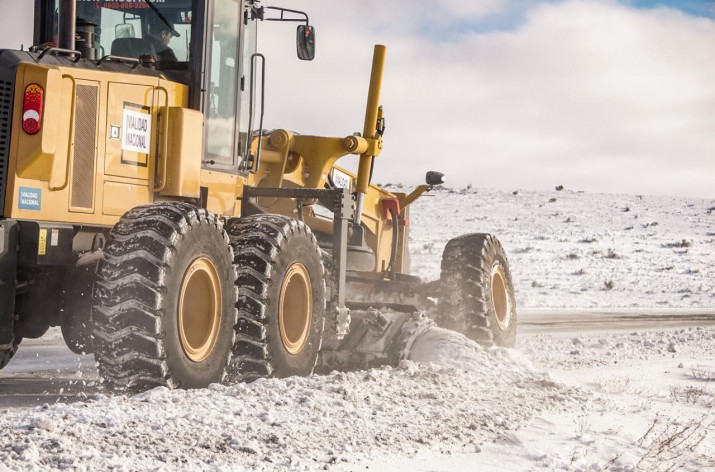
(145, 210)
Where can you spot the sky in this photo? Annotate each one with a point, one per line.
(596, 95)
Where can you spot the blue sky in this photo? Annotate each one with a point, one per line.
(514, 13)
(691, 7)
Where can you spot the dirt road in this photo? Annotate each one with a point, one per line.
(576, 321)
(44, 371)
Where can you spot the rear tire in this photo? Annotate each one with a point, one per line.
(478, 299)
(281, 302)
(164, 300)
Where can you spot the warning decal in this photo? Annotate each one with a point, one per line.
(136, 131)
(42, 242)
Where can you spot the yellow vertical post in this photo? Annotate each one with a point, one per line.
(370, 129)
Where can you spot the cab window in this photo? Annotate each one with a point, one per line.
(161, 29)
(222, 100)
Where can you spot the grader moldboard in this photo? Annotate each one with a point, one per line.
(147, 212)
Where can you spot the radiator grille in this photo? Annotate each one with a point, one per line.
(5, 129)
(85, 147)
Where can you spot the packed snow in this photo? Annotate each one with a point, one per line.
(627, 401)
(648, 405)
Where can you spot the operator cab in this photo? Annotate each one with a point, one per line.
(210, 46)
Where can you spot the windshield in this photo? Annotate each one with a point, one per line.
(132, 28)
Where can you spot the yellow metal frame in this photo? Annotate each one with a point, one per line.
(44, 161)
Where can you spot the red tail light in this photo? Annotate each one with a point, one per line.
(32, 109)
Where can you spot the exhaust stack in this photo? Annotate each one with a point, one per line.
(67, 24)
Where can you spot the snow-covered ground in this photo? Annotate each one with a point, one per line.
(593, 401)
(573, 249)
(637, 401)
(648, 404)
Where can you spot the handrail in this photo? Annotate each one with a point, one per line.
(164, 155)
(252, 91)
(61, 51)
(121, 60)
(70, 137)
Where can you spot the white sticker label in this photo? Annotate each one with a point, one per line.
(341, 179)
(136, 131)
(54, 237)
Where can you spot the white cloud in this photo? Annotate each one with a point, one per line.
(17, 23)
(588, 94)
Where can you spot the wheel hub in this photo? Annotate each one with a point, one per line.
(500, 298)
(199, 309)
(295, 311)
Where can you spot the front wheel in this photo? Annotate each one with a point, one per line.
(477, 297)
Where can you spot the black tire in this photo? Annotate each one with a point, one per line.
(157, 257)
(7, 354)
(268, 248)
(478, 294)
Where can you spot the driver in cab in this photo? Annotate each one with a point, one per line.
(160, 34)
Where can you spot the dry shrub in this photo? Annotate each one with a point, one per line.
(665, 444)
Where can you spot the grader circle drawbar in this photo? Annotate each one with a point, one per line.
(144, 210)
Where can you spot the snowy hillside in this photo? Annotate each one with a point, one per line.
(572, 249)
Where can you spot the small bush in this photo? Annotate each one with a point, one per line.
(573, 256)
(559, 188)
(678, 244)
(588, 240)
(611, 254)
(704, 372)
(690, 394)
(535, 284)
(608, 285)
(665, 444)
(552, 200)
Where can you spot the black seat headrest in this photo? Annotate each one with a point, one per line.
(132, 47)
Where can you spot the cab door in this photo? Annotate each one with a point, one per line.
(231, 46)
(222, 83)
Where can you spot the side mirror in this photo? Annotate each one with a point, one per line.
(124, 30)
(434, 178)
(305, 42)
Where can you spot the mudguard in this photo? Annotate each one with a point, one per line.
(9, 236)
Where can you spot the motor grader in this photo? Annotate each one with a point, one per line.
(148, 214)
